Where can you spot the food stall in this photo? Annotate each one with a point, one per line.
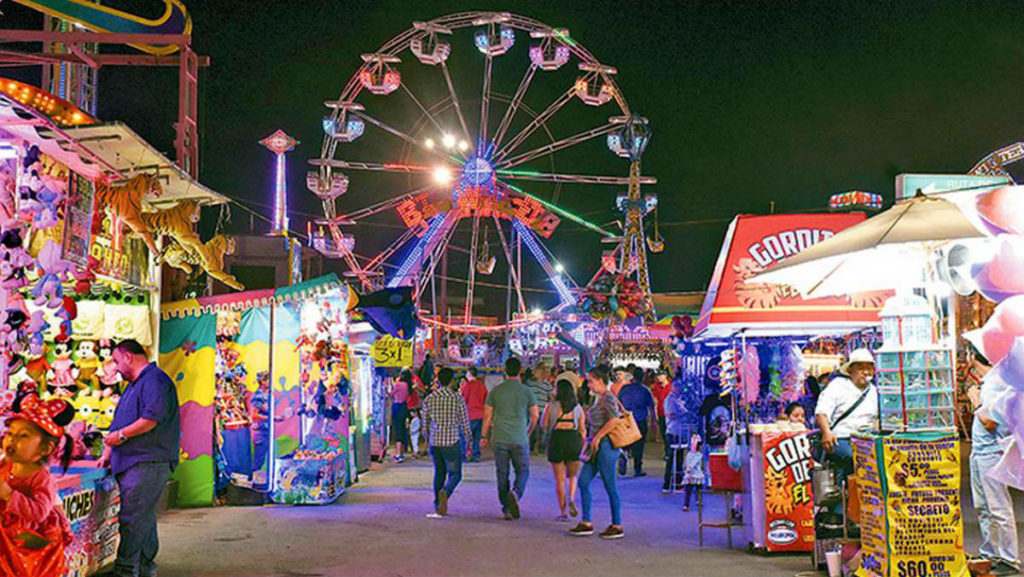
(263, 383)
(768, 328)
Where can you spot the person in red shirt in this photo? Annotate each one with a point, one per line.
(34, 530)
(474, 392)
(660, 389)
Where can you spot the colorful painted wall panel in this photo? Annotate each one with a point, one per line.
(187, 354)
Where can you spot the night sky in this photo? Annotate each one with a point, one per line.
(752, 103)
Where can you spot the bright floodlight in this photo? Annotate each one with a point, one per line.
(559, 268)
(429, 143)
(448, 140)
(463, 145)
(537, 312)
(442, 175)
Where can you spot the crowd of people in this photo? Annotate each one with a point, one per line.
(565, 415)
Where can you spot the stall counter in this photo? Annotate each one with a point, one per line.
(91, 502)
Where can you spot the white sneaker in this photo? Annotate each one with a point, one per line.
(435, 516)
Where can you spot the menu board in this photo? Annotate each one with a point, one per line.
(789, 518)
(911, 523)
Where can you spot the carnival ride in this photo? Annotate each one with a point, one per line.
(462, 169)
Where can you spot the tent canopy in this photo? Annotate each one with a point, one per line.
(753, 243)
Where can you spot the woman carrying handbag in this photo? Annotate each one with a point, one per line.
(606, 420)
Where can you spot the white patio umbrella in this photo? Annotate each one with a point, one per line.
(889, 250)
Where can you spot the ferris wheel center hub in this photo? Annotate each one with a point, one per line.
(476, 172)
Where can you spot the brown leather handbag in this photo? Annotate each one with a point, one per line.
(625, 432)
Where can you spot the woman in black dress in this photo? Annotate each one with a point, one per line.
(565, 420)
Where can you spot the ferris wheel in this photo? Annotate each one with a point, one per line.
(447, 152)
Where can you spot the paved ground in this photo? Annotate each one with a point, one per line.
(379, 528)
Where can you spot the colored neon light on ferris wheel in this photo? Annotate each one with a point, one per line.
(416, 255)
(530, 239)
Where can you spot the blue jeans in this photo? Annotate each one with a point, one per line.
(140, 487)
(841, 459)
(518, 456)
(447, 468)
(603, 463)
(995, 512)
(476, 426)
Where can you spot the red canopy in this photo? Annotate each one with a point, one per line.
(752, 244)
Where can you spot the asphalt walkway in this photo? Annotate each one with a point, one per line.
(379, 528)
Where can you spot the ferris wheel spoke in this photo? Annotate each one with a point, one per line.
(381, 206)
(390, 250)
(396, 132)
(509, 188)
(439, 249)
(513, 106)
(485, 101)
(534, 124)
(511, 264)
(423, 109)
(455, 98)
(468, 309)
(553, 147)
(373, 166)
(567, 178)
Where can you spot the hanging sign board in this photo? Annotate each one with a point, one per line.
(391, 352)
(78, 220)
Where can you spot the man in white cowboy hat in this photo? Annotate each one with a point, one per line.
(848, 405)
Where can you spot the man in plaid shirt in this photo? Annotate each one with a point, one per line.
(444, 419)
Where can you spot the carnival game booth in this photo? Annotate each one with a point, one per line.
(263, 382)
(80, 231)
(769, 328)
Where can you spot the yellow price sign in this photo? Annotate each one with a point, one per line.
(391, 352)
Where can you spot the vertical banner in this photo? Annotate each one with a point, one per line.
(911, 521)
(788, 502)
(873, 530)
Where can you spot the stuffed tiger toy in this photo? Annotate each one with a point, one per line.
(124, 201)
(178, 222)
(184, 259)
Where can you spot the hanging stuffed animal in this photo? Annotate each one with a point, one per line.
(178, 223)
(184, 259)
(107, 372)
(124, 201)
(63, 372)
(53, 271)
(88, 364)
(14, 260)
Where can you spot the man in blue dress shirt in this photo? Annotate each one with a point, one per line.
(142, 449)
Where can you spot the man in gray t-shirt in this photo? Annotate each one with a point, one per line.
(510, 413)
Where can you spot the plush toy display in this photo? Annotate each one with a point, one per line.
(63, 373)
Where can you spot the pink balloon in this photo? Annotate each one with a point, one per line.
(1004, 208)
(1006, 324)
(1003, 276)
